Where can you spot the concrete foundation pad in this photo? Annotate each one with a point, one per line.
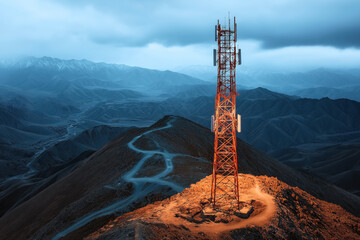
(209, 213)
(244, 212)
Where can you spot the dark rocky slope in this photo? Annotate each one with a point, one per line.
(51, 165)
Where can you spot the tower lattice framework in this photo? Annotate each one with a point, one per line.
(225, 186)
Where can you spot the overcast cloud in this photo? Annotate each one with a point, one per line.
(165, 34)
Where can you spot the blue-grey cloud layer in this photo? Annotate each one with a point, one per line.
(274, 23)
(163, 34)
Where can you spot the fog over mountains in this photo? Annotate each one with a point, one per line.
(55, 113)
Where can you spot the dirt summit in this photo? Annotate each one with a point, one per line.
(269, 209)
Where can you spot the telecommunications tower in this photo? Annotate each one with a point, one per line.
(225, 122)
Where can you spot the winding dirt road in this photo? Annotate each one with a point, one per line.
(140, 183)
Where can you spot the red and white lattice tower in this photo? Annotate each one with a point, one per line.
(225, 124)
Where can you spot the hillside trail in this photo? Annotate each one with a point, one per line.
(168, 157)
(141, 186)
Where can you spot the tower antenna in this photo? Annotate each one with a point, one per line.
(225, 123)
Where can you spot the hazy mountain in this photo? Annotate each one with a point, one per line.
(51, 75)
(317, 83)
(42, 101)
(352, 93)
(270, 120)
(262, 94)
(320, 77)
(23, 127)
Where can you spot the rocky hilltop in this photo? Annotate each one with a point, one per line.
(269, 209)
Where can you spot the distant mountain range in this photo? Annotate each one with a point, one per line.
(46, 75)
(270, 120)
(43, 100)
(334, 93)
(317, 83)
(48, 106)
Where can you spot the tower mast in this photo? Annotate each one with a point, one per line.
(225, 186)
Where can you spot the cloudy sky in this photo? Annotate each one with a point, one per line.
(166, 34)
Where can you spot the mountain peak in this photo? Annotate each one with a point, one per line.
(268, 208)
(262, 93)
(51, 63)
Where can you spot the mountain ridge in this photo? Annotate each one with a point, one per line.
(92, 189)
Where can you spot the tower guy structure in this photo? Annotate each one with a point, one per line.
(225, 122)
